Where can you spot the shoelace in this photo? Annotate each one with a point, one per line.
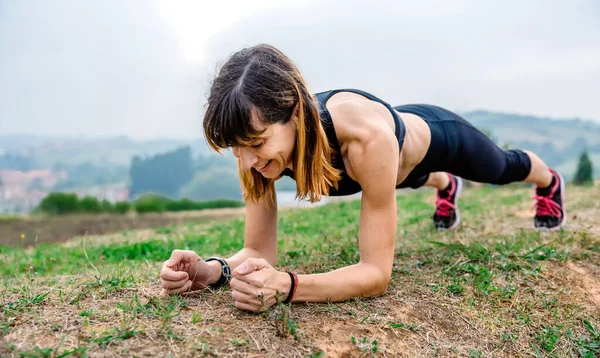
(547, 207)
(443, 207)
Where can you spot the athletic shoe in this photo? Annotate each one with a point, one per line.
(446, 215)
(550, 212)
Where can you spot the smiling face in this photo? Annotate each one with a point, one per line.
(271, 151)
(287, 132)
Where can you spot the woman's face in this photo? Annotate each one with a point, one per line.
(272, 151)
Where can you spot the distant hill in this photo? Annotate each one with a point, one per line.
(559, 142)
(50, 151)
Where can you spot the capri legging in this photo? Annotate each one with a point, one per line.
(457, 147)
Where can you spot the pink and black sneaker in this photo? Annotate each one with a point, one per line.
(446, 215)
(550, 212)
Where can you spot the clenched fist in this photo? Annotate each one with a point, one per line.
(185, 271)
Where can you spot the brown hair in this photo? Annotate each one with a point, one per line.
(263, 79)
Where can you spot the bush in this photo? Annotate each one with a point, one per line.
(151, 203)
(156, 203)
(122, 207)
(219, 204)
(67, 203)
(180, 205)
(59, 203)
(90, 204)
(106, 206)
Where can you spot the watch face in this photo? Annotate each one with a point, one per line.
(227, 272)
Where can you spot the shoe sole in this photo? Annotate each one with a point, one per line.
(564, 210)
(459, 185)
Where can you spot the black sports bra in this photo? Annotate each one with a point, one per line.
(347, 185)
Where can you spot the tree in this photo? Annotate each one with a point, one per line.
(584, 173)
(15, 161)
(213, 183)
(163, 173)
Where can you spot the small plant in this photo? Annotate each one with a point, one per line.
(549, 338)
(409, 326)
(38, 352)
(240, 343)
(365, 344)
(455, 288)
(115, 335)
(317, 354)
(475, 353)
(196, 317)
(588, 347)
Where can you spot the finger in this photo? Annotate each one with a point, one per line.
(250, 265)
(185, 288)
(174, 284)
(168, 274)
(242, 286)
(177, 256)
(255, 279)
(244, 298)
(163, 293)
(247, 307)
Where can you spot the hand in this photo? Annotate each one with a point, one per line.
(184, 271)
(255, 283)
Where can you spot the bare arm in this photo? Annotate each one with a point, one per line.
(373, 156)
(260, 237)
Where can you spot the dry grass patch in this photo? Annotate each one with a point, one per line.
(491, 288)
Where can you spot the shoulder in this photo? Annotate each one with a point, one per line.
(367, 142)
(356, 118)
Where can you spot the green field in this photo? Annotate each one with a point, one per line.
(493, 288)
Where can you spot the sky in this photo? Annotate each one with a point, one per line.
(143, 68)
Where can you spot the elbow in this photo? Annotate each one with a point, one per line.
(378, 283)
(381, 287)
(376, 288)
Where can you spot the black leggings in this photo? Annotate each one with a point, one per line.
(457, 147)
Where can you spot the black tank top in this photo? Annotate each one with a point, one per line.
(347, 185)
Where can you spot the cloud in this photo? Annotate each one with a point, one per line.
(100, 68)
(508, 56)
(120, 67)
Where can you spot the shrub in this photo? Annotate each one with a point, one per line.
(59, 203)
(90, 204)
(151, 203)
(122, 207)
(106, 206)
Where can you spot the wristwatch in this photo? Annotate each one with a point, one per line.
(225, 272)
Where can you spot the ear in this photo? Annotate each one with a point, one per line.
(295, 113)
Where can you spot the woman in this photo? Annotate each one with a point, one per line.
(338, 143)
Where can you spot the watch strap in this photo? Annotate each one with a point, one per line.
(225, 272)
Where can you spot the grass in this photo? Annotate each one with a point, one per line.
(494, 288)
(39, 229)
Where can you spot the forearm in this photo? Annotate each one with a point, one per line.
(237, 259)
(246, 253)
(360, 280)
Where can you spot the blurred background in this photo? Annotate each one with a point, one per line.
(105, 99)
